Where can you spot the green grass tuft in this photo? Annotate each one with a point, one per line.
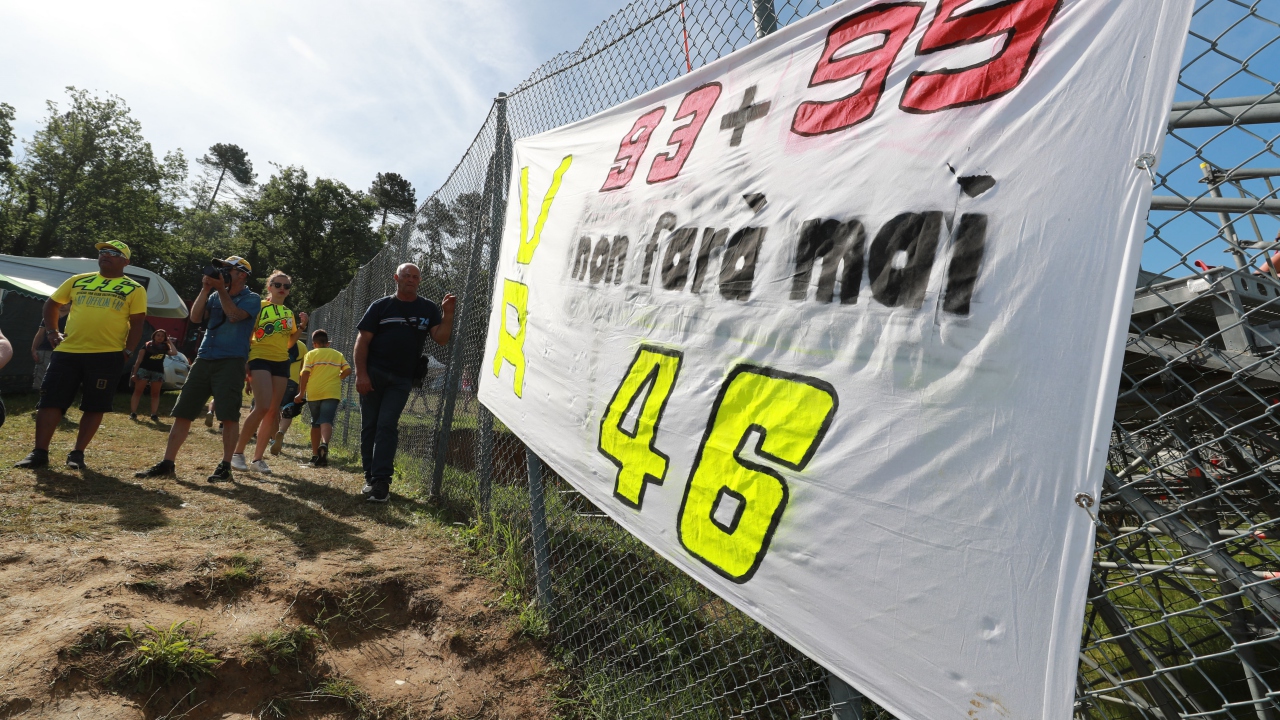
(158, 657)
(239, 571)
(284, 645)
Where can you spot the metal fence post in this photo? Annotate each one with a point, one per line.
(765, 16)
(484, 463)
(469, 301)
(846, 703)
(502, 161)
(538, 515)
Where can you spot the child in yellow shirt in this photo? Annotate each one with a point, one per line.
(320, 384)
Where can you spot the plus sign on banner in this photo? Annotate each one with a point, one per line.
(835, 325)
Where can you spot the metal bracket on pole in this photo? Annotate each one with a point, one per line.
(538, 514)
(846, 703)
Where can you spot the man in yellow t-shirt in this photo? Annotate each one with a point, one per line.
(323, 370)
(105, 324)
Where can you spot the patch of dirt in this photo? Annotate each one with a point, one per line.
(401, 625)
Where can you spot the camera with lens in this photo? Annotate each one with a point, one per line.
(216, 271)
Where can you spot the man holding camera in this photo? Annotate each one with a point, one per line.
(107, 311)
(218, 370)
(392, 334)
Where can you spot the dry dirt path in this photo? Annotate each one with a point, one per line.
(402, 628)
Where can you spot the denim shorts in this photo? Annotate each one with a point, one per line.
(323, 411)
(149, 376)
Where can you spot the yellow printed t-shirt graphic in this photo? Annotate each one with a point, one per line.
(100, 310)
(271, 336)
(326, 366)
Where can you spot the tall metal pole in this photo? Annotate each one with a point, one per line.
(468, 301)
(765, 16)
(497, 208)
(846, 703)
(538, 516)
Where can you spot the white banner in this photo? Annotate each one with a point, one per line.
(835, 323)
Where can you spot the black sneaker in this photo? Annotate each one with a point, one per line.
(155, 418)
(75, 460)
(164, 468)
(222, 473)
(323, 457)
(381, 493)
(36, 459)
(133, 416)
(315, 461)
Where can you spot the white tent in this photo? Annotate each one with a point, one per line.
(39, 277)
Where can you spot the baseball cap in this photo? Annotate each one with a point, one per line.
(235, 261)
(114, 245)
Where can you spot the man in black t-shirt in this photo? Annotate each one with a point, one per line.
(392, 334)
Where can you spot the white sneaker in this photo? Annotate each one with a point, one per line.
(368, 488)
(237, 462)
(261, 466)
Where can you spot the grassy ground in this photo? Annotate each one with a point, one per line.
(243, 569)
(312, 510)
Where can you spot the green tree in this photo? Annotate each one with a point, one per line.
(394, 196)
(7, 116)
(87, 176)
(224, 158)
(9, 191)
(319, 232)
(438, 226)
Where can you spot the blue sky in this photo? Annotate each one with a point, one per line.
(344, 89)
(1231, 52)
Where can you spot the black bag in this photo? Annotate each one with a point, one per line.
(420, 369)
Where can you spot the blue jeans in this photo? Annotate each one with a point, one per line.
(380, 423)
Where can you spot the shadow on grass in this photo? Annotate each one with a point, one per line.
(140, 509)
(154, 426)
(310, 530)
(401, 512)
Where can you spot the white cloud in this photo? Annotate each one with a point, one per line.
(346, 90)
(302, 49)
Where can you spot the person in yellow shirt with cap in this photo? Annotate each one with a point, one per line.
(105, 323)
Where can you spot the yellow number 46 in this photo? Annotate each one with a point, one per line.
(732, 504)
(631, 420)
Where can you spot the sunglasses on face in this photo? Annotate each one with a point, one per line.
(282, 286)
(110, 253)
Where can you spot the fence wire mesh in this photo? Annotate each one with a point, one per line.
(1183, 617)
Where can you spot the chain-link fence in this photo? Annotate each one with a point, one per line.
(1183, 617)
